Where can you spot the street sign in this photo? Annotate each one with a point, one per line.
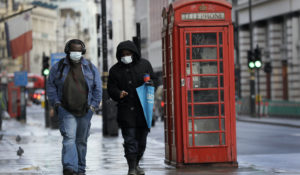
(55, 57)
(20, 78)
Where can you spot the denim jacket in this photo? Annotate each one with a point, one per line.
(92, 78)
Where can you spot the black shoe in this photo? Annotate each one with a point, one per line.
(132, 172)
(131, 160)
(139, 170)
(80, 174)
(69, 172)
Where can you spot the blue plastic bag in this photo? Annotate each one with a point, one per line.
(146, 96)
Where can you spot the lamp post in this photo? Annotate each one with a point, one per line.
(252, 72)
(104, 66)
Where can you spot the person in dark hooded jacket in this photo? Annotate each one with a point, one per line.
(124, 77)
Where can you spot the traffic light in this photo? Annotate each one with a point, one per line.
(257, 57)
(268, 67)
(45, 70)
(254, 58)
(251, 64)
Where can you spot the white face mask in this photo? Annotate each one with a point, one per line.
(126, 59)
(75, 56)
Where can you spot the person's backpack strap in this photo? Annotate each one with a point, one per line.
(61, 67)
(91, 67)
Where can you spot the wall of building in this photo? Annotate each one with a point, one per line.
(124, 27)
(156, 23)
(7, 64)
(44, 36)
(276, 31)
(86, 21)
(142, 17)
(294, 69)
(151, 26)
(51, 31)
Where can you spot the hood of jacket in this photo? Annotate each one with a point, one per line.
(128, 45)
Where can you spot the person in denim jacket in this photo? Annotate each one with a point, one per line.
(74, 89)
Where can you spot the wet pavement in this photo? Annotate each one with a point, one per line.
(289, 122)
(42, 153)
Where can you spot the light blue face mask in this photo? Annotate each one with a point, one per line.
(75, 56)
(126, 59)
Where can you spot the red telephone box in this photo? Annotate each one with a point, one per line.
(198, 77)
(14, 100)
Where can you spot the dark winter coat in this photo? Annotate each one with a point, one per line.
(128, 77)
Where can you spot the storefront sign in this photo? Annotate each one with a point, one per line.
(203, 16)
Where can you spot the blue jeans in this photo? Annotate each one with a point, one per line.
(75, 132)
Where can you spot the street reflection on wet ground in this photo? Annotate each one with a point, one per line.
(42, 151)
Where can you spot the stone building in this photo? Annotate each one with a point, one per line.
(7, 64)
(276, 27)
(44, 34)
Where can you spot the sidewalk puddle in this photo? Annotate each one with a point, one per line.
(31, 168)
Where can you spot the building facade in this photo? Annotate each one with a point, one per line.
(142, 16)
(111, 59)
(276, 28)
(123, 22)
(151, 25)
(44, 35)
(7, 64)
(78, 20)
(148, 14)
(44, 19)
(155, 28)
(53, 24)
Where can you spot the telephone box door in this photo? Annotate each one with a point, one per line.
(206, 110)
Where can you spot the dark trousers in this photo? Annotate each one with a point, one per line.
(135, 140)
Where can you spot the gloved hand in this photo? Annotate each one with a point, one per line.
(149, 83)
